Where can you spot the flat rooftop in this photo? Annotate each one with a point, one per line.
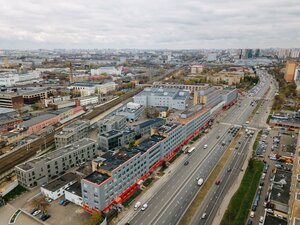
(165, 92)
(71, 128)
(56, 154)
(97, 177)
(110, 133)
(150, 122)
(75, 189)
(37, 120)
(168, 127)
(272, 220)
(60, 182)
(112, 161)
(281, 187)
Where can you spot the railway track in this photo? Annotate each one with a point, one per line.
(12, 159)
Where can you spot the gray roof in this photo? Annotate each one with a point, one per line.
(60, 182)
(56, 154)
(36, 120)
(165, 92)
(6, 110)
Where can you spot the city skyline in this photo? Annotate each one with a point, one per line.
(149, 25)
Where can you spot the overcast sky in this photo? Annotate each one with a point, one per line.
(173, 24)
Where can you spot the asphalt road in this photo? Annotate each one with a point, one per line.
(213, 200)
(217, 193)
(170, 202)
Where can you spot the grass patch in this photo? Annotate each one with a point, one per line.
(240, 204)
(148, 182)
(14, 193)
(256, 142)
(131, 198)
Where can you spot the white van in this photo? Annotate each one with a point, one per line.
(137, 205)
(205, 146)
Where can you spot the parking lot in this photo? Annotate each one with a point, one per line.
(66, 215)
(276, 148)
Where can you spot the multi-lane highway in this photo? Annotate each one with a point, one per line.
(210, 205)
(170, 202)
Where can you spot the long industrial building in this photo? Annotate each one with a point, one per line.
(116, 176)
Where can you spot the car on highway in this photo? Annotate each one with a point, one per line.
(144, 207)
(203, 216)
(137, 205)
(228, 169)
(186, 163)
(205, 146)
(218, 182)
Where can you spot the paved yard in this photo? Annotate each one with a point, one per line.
(70, 214)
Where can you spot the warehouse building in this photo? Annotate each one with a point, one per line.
(172, 98)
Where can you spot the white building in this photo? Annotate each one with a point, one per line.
(74, 194)
(88, 100)
(10, 79)
(168, 97)
(106, 70)
(196, 69)
(87, 89)
(56, 188)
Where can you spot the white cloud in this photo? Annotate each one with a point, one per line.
(149, 24)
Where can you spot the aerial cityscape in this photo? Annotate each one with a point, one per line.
(150, 112)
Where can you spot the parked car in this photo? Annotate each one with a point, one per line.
(203, 216)
(261, 219)
(61, 202)
(37, 212)
(33, 211)
(218, 182)
(186, 163)
(252, 214)
(66, 202)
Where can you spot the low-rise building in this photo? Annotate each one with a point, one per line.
(145, 127)
(110, 140)
(280, 191)
(87, 100)
(41, 170)
(72, 133)
(169, 97)
(132, 111)
(9, 118)
(38, 123)
(117, 122)
(73, 193)
(86, 89)
(11, 100)
(196, 69)
(56, 188)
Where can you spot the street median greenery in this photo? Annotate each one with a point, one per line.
(240, 204)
